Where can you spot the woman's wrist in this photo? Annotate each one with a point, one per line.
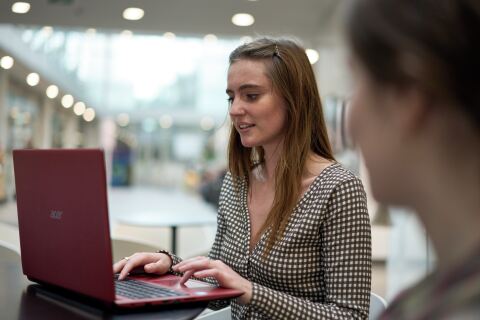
(170, 259)
(247, 288)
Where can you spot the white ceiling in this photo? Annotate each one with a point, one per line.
(306, 19)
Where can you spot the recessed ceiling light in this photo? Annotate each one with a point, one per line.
(169, 35)
(91, 31)
(52, 91)
(33, 79)
(126, 33)
(243, 19)
(79, 108)
(207, 123)
(133, 14)
(67, 101)
(123, 119)
(20, 7)
(210, 38)
(47, 30)
(312, 55)
(14, 112)
(246, 39)
(6, 62)
(89, 114)
(165, 121)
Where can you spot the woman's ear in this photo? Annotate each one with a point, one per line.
(413, 109)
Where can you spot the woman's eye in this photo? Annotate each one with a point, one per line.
(252, 96)
(230, 100)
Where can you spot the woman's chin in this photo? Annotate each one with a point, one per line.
(248, 143)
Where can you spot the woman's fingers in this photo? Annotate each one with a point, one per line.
(185, 277)
(127, 264)
(118, 266)
(160, 267)
(196, 263)
(186, 261)
(132, 262)
(207, 273)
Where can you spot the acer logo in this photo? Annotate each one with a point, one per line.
(56, 214)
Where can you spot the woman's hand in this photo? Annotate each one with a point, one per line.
(158, 263)
(204, 267)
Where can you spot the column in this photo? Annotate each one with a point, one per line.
(3, 132)
(70, 131)
(43, 127)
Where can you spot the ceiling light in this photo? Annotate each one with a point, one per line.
(169, 35)
(14, 112)
(243, 19)
(6, 62)
(79, 108)
(91, 31)
(123, 119)
(246, 39)
(67, 101)
(133, 14)
(33, 79)
(312, 55)
(210, 38)
(52, 91)
(47, 30)
(126, 33)
(89, 115)
(207, 123)
(165, 121)
(20, 7)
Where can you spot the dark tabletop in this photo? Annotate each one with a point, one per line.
(22, 299)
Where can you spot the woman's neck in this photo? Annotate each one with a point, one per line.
(449, 207)
(272, 154)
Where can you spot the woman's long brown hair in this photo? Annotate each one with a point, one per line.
(292, 77)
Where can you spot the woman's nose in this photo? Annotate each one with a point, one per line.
(236, 108)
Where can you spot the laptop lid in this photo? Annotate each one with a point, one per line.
(63, 219)
(64, 229)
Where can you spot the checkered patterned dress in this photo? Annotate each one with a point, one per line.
(321, 268)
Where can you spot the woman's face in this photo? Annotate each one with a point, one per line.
(377, 126)
(257, 111)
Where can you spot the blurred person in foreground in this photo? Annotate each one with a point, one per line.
(416, 119)
(293, 228)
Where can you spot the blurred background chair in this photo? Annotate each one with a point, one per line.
(377, 306)
(9, 254)
(124, 247)
(222, 314)
(9, 236)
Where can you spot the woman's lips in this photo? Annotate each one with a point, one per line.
(244, 126)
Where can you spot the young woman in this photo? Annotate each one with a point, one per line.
(416, 118)
(293, 229)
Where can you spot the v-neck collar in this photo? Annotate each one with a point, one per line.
(246, 211)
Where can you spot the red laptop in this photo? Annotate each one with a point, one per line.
(65, 237)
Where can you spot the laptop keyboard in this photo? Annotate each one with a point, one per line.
(134, 289)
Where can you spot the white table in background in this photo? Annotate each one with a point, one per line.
(171, 219)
